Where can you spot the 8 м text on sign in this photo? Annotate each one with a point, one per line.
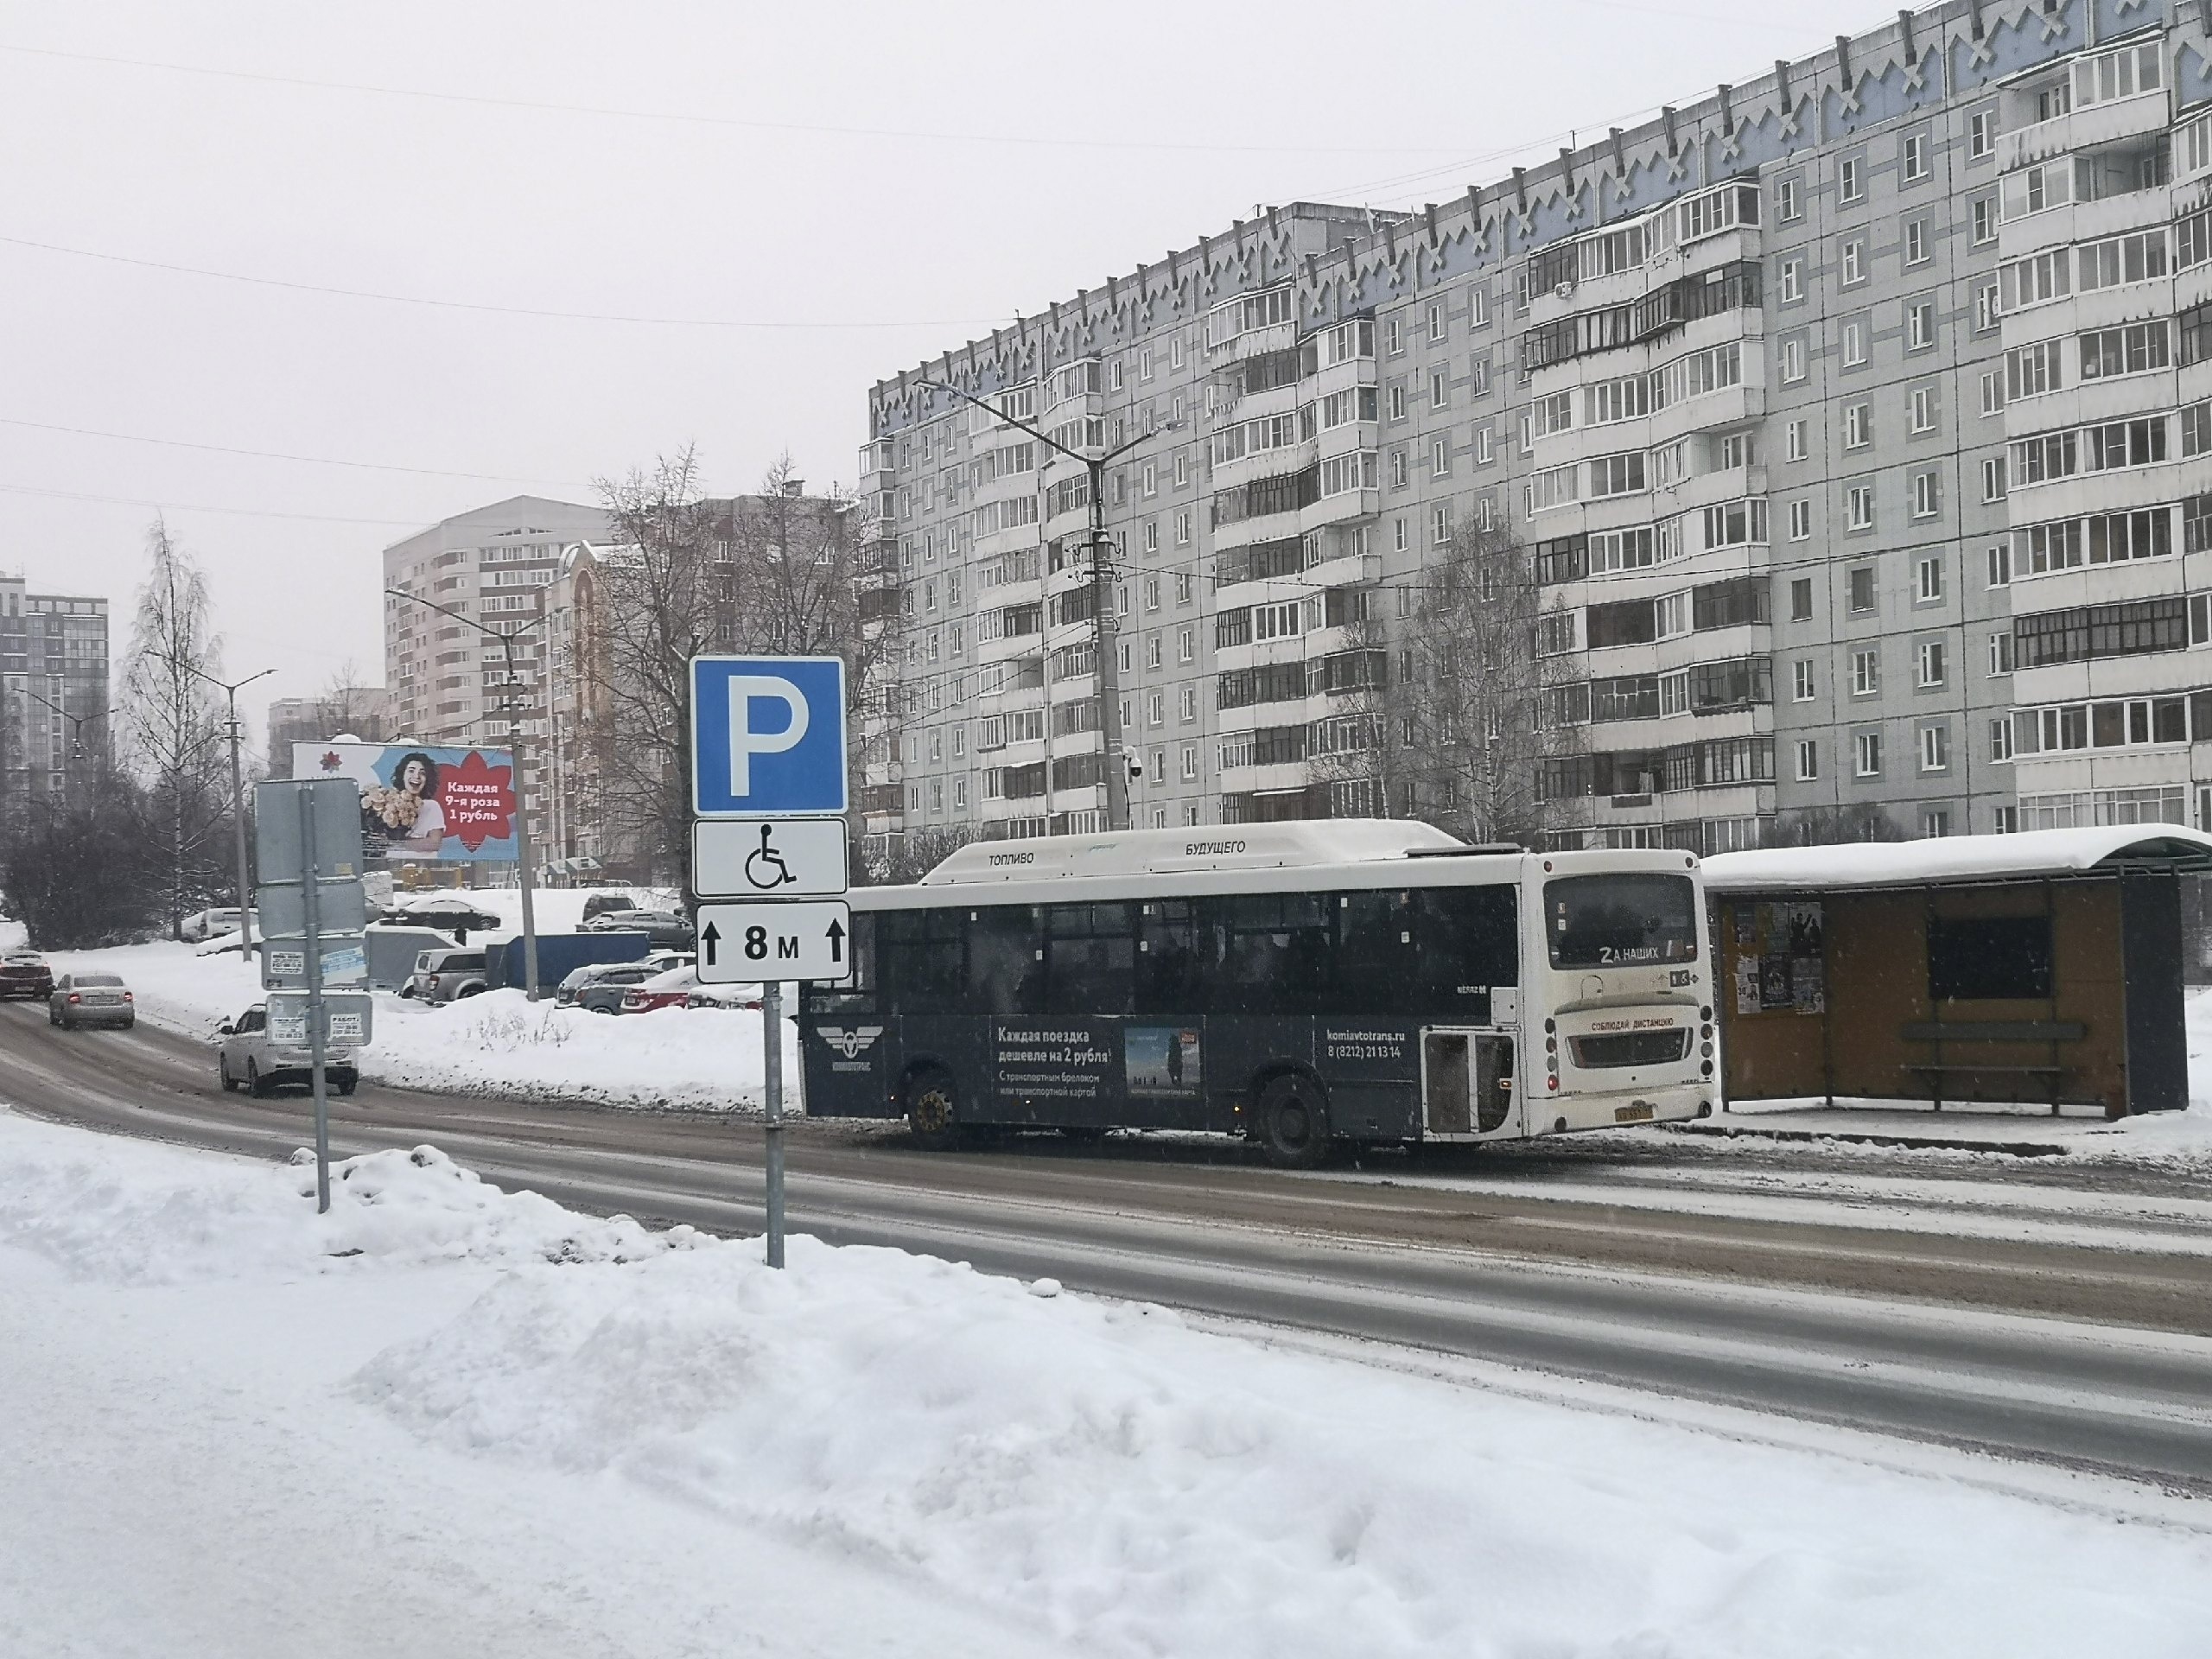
(797, 940)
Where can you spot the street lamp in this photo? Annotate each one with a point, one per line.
(1105, 621)
(230, 690)
(77, 724)
(524, 850)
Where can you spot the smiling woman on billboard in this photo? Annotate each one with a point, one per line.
(408, 811)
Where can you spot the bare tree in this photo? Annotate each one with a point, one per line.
(914, 853)
(173, 726)
(1484, 718)
(347, 706)
(655, 608)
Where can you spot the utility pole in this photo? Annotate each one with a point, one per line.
(230, 690)
(1105, 621)
(525, 848)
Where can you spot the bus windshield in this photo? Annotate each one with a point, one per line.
(1615, 921)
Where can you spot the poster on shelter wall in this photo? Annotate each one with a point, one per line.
(433, 804)
(1781, 962)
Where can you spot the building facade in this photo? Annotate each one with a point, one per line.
(54, 694)
(1853, 420)
(362, 711)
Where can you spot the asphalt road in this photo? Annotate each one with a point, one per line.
(2053, 1348)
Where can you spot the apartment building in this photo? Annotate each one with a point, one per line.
(362, 711)
(1852, 419)
(55, 693)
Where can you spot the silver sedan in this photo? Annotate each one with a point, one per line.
(91, 999)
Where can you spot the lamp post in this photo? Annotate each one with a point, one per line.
(77, 724)
(230, 689)
(1105, 622)
(524, 850)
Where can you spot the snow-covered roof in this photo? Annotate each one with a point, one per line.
(1148, 852)
(1960, 858)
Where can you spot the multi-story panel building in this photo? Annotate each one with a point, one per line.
(1820, 408)
(447, 681)
(54, 725)
(362, 711)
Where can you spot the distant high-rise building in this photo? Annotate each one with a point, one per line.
(362, 711)
(1852, 424)
(53, 693)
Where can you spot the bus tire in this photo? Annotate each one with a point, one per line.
(1292, 1123)
(933, 1110)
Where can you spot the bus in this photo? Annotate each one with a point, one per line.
(1305, 985)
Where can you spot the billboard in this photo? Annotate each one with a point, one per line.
(442, 805)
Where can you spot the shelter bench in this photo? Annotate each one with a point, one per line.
(1942, 1032)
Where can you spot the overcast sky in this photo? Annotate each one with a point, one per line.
(828, 193)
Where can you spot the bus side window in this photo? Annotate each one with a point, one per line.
(1089, 958)
(1273, 952)
(1374, 955)
(1467, 937)
(921, 959)
(1168, 980)
(1004, 975)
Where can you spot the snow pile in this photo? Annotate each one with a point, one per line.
(14, 936)
(497, 1044)
(118, 1212)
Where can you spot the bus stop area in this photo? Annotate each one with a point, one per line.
(1967, 980)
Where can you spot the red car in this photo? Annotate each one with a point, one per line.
(25, 972)
(666, 990)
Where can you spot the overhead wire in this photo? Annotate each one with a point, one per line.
(279, 454)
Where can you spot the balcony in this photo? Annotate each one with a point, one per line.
(2079, 129)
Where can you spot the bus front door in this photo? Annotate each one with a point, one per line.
(1466, 1082)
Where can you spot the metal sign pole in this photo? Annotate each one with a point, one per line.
(772, 1030)
(311, 903)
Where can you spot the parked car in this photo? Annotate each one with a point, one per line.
(245, 1058)
(446, 975)
(90, 1000)
(394, 950)
(669, 930)
(728, 997)
(204, 924)
(448, 912)
(25, 972)
(598, 986)
(600, 904)
(666, 990)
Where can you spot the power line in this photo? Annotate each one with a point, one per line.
(186, 506)
(482, 306)
(684, 118)
(277, 454)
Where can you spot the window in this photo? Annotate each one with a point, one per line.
(1801, 521)
(1858, 425)
(1922, 407)
(1190, 762)
(2000, 565)
(1994, 479)
(1917, 250)
(1793, 440)
(2135, 348)
(1865, 673)
(1989, 308)
(1854, 261)
(1982, 132)
(1858, 506)
(1912, 157)
(1866, 754)
(2121, 260)
(1993, 392)
(1397, 402)
(1926, 497)
(1920, 324)
(2000, 740)
(1850, 183)
(1792, 285)
(1808, 760)
(1787, 206)
(1398, 468)
(1435, 320)
(1801, 680)
(1801, 599)
(1854, 343)
(1933, 663)
(1862, 587)
(1439, 389)
(1935, 749)
(2117, 74)
(1930, 572)
(1984, 210)
(1793, 359)
(1439, 455)
(2001, 652)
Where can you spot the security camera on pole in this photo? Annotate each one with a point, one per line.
(768, 771)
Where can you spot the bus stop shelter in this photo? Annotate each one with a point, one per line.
(2042, 968)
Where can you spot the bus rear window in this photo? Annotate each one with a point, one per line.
(1619, 921)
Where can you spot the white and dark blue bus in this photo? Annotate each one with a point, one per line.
(1305, 985)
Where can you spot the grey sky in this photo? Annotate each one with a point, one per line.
(964, 203)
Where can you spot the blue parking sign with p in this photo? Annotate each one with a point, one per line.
(767, 736)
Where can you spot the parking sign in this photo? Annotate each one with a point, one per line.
(767, 736)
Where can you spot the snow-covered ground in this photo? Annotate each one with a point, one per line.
(499, 1043)
(449, 1420)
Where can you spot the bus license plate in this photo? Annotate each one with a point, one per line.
(1639, 1113)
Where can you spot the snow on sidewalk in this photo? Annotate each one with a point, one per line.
(488, 1425)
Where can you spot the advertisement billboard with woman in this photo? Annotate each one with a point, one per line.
(420, 803)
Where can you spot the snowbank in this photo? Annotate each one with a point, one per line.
(1102, 1473)
(499, 1043)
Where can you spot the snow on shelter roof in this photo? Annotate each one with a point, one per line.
(1147, 852)
(2029, 854)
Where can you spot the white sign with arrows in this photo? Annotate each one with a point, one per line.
(767, 858)
(801, 939)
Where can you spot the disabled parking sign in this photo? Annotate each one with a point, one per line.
(767, 736)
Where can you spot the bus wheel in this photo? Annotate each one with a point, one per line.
(931, 1111)
(1292, 1125)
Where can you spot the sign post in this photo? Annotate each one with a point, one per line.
(312, 913)
(768, 770)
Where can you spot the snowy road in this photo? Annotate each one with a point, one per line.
(2033, 1312)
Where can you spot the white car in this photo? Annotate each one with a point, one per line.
(246, 1058)
(204, 924)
